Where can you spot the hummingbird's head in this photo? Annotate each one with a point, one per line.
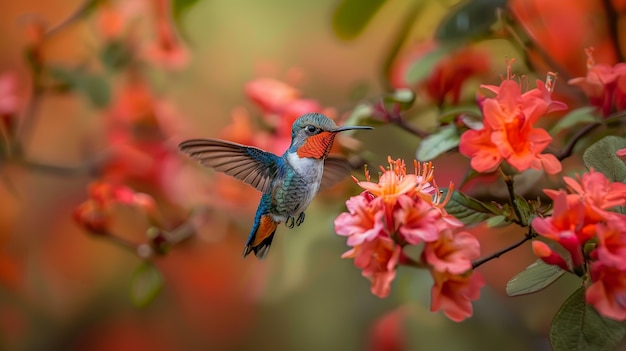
(312, 135)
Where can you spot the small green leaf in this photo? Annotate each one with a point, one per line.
(496, 221)
(469, 210)
(94, 87)
(180, 7)
(469, 20)
(538, 276)
(578, 327)
(601, 156)
(403, 97)
(450, 114)
(352, 16)
(444, 139)
(145, 285)
(115, 55)
(359, 113)
(523, 207)
(580, 115)
(97, 90)
(423, 67)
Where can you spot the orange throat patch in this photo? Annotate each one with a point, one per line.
(317, 146)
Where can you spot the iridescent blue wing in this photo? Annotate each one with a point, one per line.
(248, 164)
(335, 170)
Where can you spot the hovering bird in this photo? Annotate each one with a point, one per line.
(288, 182)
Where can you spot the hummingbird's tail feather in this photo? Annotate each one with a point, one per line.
(261, 236)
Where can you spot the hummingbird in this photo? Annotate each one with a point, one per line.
(288, 182)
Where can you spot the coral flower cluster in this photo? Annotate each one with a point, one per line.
(593, 237)
(509, 133)
(604, 85)
(403, 210)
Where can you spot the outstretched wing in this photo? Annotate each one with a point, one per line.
(249, 164)
(335, 170)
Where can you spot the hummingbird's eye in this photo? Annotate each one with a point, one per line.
(310, 129)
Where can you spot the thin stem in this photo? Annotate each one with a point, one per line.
(92, 167)
(569, 147)
(510, 186)
(79, 12)
(187, 229)
(497, 254)
(402, 123)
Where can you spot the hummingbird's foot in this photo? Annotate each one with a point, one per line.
(290, 222)
(300, 219)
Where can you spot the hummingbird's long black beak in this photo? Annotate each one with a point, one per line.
(344, 128)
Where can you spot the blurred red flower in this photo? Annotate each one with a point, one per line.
(449, 74)
(604, 85)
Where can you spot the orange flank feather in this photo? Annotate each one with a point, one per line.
(267, 227)
(317, 146)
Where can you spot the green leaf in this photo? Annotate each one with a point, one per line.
(422, 68)
(469, 210)
(449, 114)
(94, 87)
(497, 221)
(145, 285)
(352, 16)
(538, 276)
(523, 207)
(578, 327)
(579, 115)
(601, 156)
(470, 19)
(115, 55)
(180, 7)
(444, 139)
(402, 97)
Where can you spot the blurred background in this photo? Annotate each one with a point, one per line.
(67, 283)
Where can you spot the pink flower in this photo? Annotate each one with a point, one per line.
(453, 293)
(564, 226)
(363, 222)
(9, 100)
(611, 249)
(549, 256)
(168, 50)
(416, 220)
(378, 259)
(597, 193)
(452, 252)
(271, 95)
(607, 294)
(604, 85)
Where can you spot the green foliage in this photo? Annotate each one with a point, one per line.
(352, 16)
(469, 210)
(469, 20)
(180, 7)
(450, 113)
(578, 327)
(538, 276)
(577, 116)
(403, 97)
(115, 56)
(423, 67)
(601, 156)
(145, 285)
(93, 86)
(442, 140)
(496, 221)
